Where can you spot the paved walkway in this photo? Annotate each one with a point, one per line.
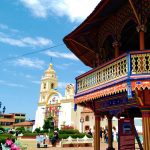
(32, 146)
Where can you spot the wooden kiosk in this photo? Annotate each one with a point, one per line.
(115, 42)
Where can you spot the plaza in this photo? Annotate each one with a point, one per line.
(31, 145)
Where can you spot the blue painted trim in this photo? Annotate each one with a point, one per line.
(129, 88)
(129, 64)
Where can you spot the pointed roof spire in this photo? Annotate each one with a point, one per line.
(50, 71)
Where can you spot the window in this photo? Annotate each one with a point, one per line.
(52, 85)
(44, 86)
(87, 118)
(87, 128)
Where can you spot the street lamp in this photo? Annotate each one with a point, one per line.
(82, 120)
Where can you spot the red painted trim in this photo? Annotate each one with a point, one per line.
(146, 114)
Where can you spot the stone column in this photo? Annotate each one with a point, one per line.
(97, 133)
(116, 46)
(146, 127)
(141, 30)
(110, 137)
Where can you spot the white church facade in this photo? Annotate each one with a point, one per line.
(52, 103)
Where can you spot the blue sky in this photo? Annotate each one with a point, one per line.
(28, 26)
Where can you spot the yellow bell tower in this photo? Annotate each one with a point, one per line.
(48, 84)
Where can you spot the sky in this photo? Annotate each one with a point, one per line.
(28, 26)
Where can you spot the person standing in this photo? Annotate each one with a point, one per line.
(90, 132)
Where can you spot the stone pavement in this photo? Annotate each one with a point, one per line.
(31, 143)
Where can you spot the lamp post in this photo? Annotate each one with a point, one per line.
(82, 120)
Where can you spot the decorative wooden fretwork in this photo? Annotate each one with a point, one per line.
(140, 63)
(104, 75)
(145, 10)
(115, 23)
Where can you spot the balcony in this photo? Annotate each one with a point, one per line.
(133, 66)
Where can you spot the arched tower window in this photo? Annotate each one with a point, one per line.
(87, 118)
(52, 86)
(44, 86)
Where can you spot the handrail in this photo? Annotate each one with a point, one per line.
(126, 65)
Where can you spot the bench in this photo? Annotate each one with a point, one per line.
(78, 142)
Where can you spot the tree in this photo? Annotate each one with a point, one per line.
(21, 129)
(37, 130)
(48, 124)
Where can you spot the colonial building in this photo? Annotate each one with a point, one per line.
(9, 120)
(52, 103)
(114, 42)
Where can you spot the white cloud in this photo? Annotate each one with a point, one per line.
(76, 10)
(31, 63)
(2, 82)
(5, 27)
(25, 42)
(61, 55)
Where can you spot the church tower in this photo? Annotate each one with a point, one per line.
(48, 85)
(48, 88)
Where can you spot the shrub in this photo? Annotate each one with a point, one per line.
(65, 136)
(68, 131)
(2, 129)
(30, 134)
(20, 129)
(37, 130)
(3, 138)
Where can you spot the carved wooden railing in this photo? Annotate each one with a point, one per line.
(134, 63)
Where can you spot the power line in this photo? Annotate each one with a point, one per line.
(30, 53)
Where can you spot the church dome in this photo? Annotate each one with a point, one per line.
(50, 71)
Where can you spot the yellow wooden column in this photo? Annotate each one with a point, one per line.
(110, 137)
(97, 133)
(146, 127)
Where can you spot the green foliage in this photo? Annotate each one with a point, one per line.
(37, 130)
(3, 137)
(21, 129)
(65, 136)
(48, 124)
(2, 129)
(30, 134)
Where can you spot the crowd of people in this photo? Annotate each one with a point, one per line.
(104, 134)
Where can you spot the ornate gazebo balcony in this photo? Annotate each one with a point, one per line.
(125, 73)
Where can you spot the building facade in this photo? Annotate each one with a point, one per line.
(9, 120)
(52, 103)
(114, 42)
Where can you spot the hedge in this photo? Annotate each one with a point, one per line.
(30, 134)
(76, 135)
(3, 137)
(68, 131)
